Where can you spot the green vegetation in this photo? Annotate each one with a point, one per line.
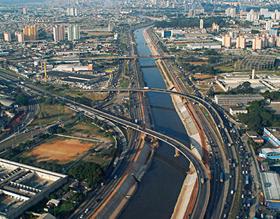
(274, 96)
(66, 207)
(22, 99)
(91, 173)
(225, 67)
(244, 88)
(205, 69)
(124, 83)
(51, 112)
(181, 22)
(259, 116)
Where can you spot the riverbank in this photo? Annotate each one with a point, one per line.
(187, 197)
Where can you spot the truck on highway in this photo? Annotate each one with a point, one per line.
(146, 88)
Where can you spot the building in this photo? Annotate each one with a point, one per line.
(58, 33)
(265, 12)
(230, 12)
(252, 16)
(236, 100)
(236, 110)
(73, 32)
(201, 24)
(19, 36)
(226, 41)
(278, 41)
(30, 32)
(268, 25)
(23, 186)
(240, 42)
(24, 10)
(257, 43)
(270, 153)
(215, 27)
(7, 37)
(276, 15)
(72, 12)
(272, 135)
(257, 62)
(271, 189)
(166, 34)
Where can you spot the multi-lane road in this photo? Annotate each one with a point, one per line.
(204, 185)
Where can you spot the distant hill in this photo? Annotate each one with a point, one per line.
(20, 2)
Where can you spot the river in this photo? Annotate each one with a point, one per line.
(157, 194)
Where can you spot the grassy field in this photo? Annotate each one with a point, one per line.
(225, 68)
(50, 113)
(88, 130)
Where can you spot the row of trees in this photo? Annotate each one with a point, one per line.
(259, 116)
(90, 172)
(184, 22)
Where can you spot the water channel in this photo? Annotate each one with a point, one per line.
(158, 192)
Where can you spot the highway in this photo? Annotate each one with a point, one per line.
(204, 183)
(233, 148)
(222, 125)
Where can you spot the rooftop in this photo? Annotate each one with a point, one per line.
(274, 131)
(271, 183)
(22, 186)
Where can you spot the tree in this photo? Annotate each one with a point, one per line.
(22, 99)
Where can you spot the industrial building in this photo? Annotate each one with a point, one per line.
(236, 110)
(236, 100)
(271, 189)
(22, 186)
(272, 135)
(259, 82)
(258, 62)
(270, 153)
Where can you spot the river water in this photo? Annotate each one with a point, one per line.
(157, 194)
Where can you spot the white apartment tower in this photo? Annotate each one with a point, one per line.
(58, 33)
(73, 32)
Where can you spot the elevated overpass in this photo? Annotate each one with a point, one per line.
(160, 90)
(109, 58)
(202, 173)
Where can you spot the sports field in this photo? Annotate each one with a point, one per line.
(60, 150)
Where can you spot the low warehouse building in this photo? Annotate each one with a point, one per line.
(271, 189)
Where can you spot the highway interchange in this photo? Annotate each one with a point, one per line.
(185, 151)
(226, 130)
(236, 193)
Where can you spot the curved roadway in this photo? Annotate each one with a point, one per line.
(204, 183)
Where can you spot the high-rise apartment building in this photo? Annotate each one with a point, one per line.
(201, 24)
(19, 37)
(215, 27)
(230, 12)
(58, 33)
(276, 15)
(24, 11)
(30, 32)
(240, 42)
(226, 41)
(253, 16)
(72, 12)
(73, 32)
(7, 37)
(257, 43)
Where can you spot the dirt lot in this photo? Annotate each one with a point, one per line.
(60, 150)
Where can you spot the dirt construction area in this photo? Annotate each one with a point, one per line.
(60, 150)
